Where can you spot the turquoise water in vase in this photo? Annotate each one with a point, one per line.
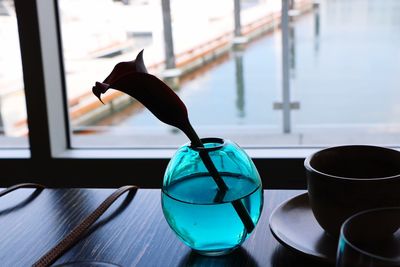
(204, 219)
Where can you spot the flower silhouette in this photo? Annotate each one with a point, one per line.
(132, 78)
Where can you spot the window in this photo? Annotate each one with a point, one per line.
(243, 87)
(344, 73)
(280, 95)
(13, 126)
(227, 83)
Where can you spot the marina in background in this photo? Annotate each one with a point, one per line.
(343, 71)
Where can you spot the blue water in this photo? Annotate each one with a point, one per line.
(344, 71)
(204, 224)
(344, 80)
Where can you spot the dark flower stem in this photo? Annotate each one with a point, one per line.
(222, 187)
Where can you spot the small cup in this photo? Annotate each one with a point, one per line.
(344, 180)
(370, 238)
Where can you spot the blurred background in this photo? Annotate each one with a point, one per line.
(313, 74)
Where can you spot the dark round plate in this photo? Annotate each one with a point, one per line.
(293, 224)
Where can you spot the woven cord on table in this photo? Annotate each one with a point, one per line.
(74, 236)
(68, 241)
(17, 186)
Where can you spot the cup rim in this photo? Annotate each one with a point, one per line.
(360, 213)
(307, 163)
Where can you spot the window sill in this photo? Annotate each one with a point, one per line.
(17, 153)
(166, 153)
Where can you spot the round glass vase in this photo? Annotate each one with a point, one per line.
(209, 220)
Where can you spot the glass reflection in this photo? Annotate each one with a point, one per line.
(240, 85)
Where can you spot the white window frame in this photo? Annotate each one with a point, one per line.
(50, 159)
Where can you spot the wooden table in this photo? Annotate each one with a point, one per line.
(133, 232)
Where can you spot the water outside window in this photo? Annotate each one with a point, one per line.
(343, 71)
(13, 125)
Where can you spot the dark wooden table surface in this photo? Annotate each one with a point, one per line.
(133, 232)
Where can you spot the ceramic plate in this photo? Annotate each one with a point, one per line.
(294, 226)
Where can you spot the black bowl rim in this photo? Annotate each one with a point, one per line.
(307, 163)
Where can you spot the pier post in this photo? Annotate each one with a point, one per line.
(239, 75)
(292, 48)
(285, 67)
(316, 25)
(171, 73)
(238, 39)
(167, 30)
(236, 10)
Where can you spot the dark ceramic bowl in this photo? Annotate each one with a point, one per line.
(343, 180)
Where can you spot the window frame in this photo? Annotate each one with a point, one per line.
(51, 161)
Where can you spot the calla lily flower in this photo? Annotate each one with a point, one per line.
(132, 78)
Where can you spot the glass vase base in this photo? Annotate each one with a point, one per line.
(215, 253)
